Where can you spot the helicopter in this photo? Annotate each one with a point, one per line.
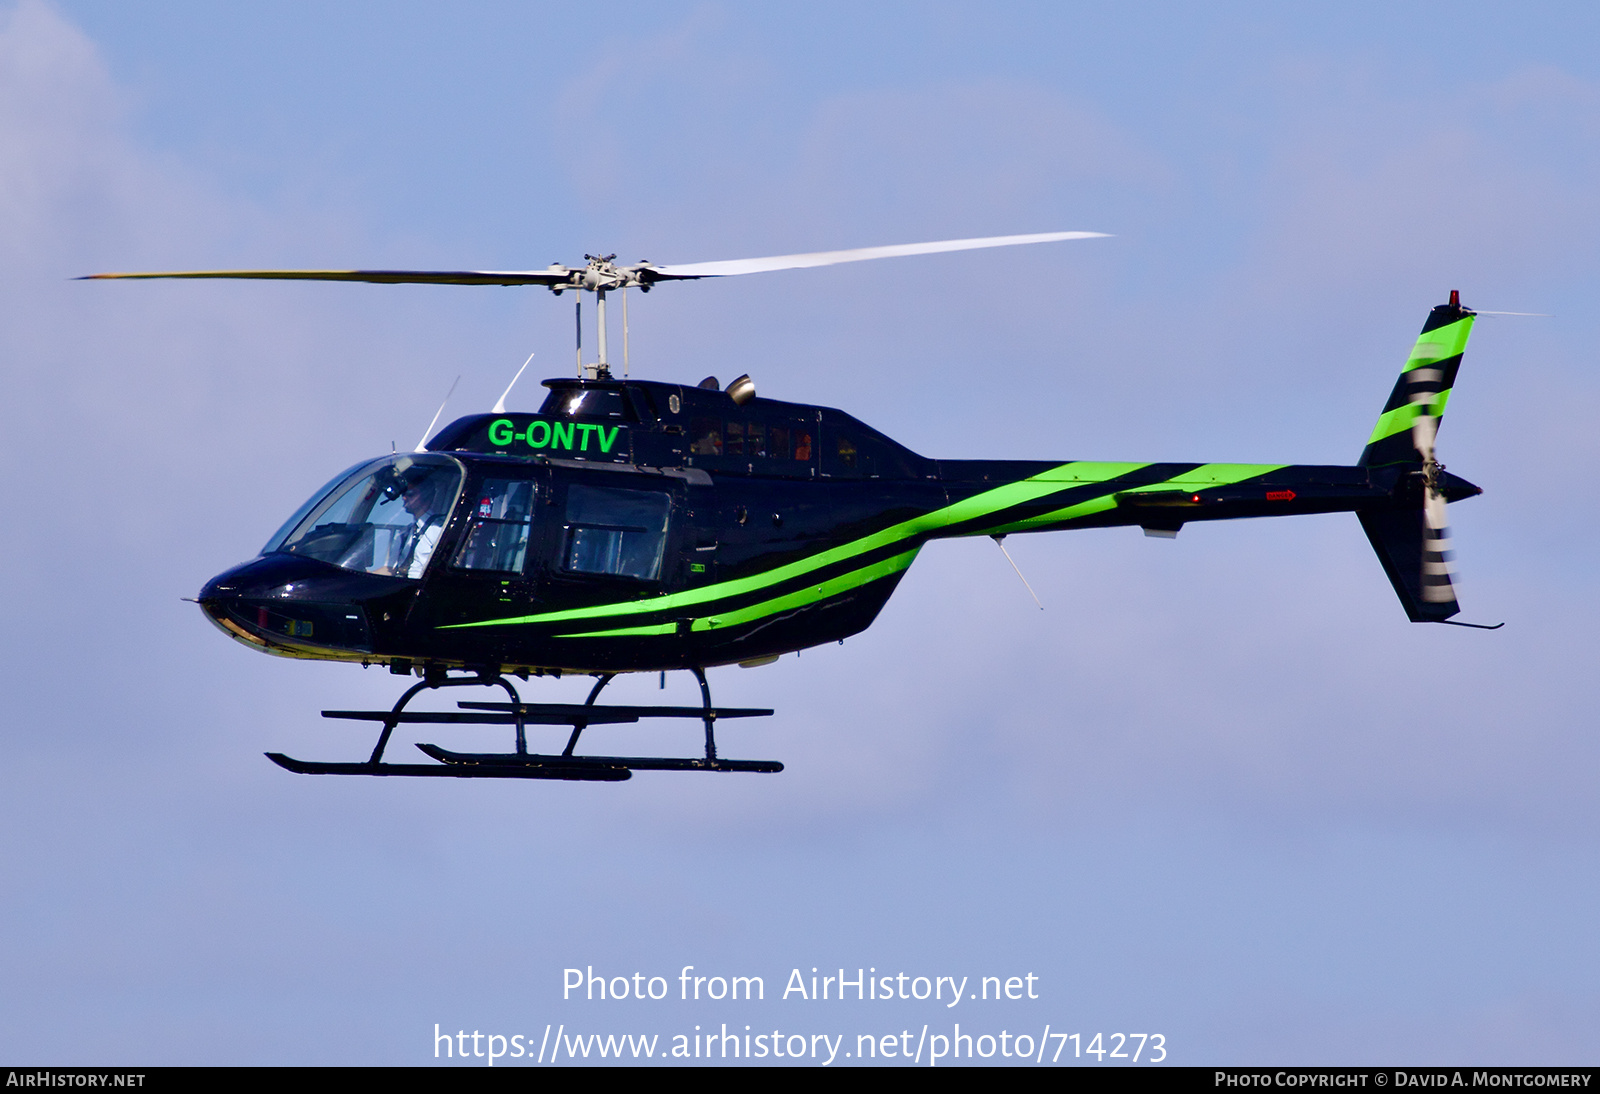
(642, 526)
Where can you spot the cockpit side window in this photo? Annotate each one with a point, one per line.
(501, 522)
(387, 520)
(617, 532)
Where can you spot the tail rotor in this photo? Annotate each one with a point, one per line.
(1438, 560)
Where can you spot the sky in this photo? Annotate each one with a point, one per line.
(1218, 791)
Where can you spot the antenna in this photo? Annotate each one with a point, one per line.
(577, 320)
(500, 406)
(624, 332)
(436, 414)
(999, 542)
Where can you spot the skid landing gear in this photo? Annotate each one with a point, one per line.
(522, 764)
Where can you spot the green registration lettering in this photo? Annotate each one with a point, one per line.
(500, 432)
(587, 429)
(605, 441)
(544, 439)
(561, 435)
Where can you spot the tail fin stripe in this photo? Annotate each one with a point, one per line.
(1424, 385)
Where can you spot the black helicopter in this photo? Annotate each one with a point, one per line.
(641, 526)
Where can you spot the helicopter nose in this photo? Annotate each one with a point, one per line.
(281, 603)
(246, 582)
(225, 600)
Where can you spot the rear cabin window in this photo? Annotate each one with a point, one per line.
(772, 446)
(844, 451)
(705, 437)
(849, 453)
(618, 532)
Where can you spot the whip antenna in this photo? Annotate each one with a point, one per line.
(500, 406)
(999, 542)
(436, 414)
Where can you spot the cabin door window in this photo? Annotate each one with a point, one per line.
(500, 520)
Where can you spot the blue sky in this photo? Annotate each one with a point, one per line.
(1219, 789)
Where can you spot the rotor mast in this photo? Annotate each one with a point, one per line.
(601, 276)
(604, 275)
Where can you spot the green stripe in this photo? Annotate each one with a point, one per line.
(1212, 474)
(1202, 477)
(1052, 481)
(832, 587)
(1086, 471)
(1440, 344)
(1071, 512)
(1400, 418)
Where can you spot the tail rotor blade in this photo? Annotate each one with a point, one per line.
(1424, 384)
(1438, 559)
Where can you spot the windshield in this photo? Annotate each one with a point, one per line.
(384, 518)
(300, 514)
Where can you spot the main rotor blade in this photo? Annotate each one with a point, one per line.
(735, 266)
(379, 277)
(610, 276)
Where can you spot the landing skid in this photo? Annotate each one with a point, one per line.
(629, 763)
(522, 764)
(583, 771)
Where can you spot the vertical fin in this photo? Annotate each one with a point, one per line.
(1424, 385)
(1411, 533)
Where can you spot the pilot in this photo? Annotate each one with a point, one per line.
(422, 501)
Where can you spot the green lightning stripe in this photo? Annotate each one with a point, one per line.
(1204, 477)
(1053, 481)
(799, 599)
(1208, 475)
(832, 587)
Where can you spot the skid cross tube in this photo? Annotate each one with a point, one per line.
(444, 682)
(522, 764)
(579, 727)
(710, 715)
